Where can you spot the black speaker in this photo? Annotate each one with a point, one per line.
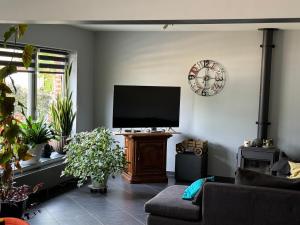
(189, 167)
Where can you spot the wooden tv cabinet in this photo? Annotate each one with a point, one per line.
(146, 154)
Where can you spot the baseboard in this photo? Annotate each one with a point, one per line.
(170, 173)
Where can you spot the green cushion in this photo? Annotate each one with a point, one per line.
(191, 191)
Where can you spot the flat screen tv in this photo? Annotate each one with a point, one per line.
(146, 106)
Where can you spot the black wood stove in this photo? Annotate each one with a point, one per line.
(259, 158)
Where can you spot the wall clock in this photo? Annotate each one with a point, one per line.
(207, 77)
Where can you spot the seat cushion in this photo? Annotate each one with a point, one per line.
(282, 167)
(169, 203)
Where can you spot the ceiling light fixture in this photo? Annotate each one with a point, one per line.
(167, 25)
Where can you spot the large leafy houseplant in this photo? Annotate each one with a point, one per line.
(36, 133)
(96, 155)
(12, 147)
(62, 112)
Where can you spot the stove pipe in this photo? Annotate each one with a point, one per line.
(266, 62)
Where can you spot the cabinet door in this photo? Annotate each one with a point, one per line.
(128, 155)
(151, 156)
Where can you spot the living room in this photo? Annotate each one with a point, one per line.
(157, 45)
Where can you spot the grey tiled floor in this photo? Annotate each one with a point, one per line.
(122, 205)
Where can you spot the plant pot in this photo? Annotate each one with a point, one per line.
(99, 187)
(58, 145)
(12, 209)
(36, 152)
(48, 149)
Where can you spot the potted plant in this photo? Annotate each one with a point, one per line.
(14, 199)
(96, 155)
(12, 147)
(62, 113)
(36, 133)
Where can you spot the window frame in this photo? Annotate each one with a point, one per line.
(33, 74)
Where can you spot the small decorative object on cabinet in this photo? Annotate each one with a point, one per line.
(268, 143)
(207, 77)
(198, 147)
(247, 143)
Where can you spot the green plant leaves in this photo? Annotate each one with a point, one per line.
(4, 89)
(21, 152)
(36, 131)
(5, 157)
(63, 115)
(94, 154)
(27, 55)
(6, 106)
(8, 34)
(13, 149)
(11, 132)
(7, 70)
(22, 28)
(18, 31)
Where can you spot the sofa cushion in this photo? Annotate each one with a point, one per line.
(248, 177)
(282, 167)
(295, 170)
(199, 196)
(169, 203)
(191, 191)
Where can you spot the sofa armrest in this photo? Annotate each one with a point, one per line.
(230, 204)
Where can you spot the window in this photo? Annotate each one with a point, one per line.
(21, 84)
(39, 85)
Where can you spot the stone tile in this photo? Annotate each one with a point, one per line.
(122, 205)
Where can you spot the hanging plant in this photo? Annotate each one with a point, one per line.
(12, 147)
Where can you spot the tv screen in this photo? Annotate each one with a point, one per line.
(146, 106)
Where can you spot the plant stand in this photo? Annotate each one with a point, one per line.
(101, 190)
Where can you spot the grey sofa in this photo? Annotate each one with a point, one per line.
(226, 204)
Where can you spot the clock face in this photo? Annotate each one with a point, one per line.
(207, 77)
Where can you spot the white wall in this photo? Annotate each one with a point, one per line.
(285, 101)
(68, 10)
(77, 40)
(164, 58)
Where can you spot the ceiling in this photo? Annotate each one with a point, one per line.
(35, 11)
(188, 27)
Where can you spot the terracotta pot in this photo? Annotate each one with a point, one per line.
(12, 209)
(14, 221)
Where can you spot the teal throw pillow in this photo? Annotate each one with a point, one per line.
(191, 191)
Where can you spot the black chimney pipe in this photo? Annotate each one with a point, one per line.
(266, 62)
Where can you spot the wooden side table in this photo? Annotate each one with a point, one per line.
(146, 154)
